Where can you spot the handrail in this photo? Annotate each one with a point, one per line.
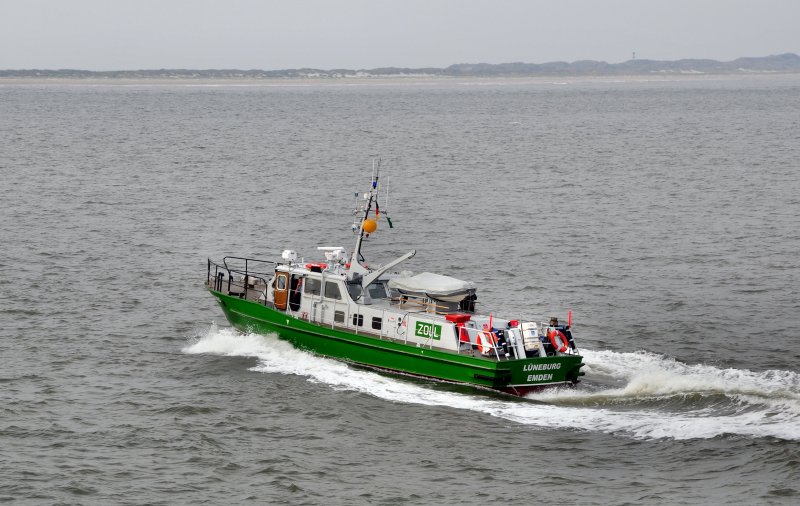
(246, 262)
(243, 283)
(473, 333)
(418, 300)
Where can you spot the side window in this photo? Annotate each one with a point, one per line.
(358, 319)
(312, 286)
(281, 281)
(332, 290)
(338, 316)
(376, 323)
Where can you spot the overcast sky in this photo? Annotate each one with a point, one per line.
(266, 34)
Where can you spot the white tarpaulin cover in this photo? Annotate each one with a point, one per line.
(434, 286)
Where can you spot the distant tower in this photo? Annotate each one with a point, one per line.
(634, 55)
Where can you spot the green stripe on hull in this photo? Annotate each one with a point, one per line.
(369, 350)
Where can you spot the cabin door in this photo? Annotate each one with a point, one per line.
(295, 292)
(281, 290)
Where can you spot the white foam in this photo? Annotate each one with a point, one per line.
(771, 403)
(651, 374)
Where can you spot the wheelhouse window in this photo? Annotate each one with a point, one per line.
(354, 289)
(377, 290)
(312, 286)
(332, 290)
(281, 281)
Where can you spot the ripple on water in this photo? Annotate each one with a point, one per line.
(616, 200)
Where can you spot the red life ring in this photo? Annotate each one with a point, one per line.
(564, 342)
(486, 343)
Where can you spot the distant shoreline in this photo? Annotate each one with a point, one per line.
(787, 63)
(379, 80)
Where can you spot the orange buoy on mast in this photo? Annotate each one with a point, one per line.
(369, 225)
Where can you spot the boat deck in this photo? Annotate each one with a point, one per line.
(255, 293)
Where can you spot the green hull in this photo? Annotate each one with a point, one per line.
(512, 376)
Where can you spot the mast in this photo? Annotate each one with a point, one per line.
(355, 265)
(357, 270)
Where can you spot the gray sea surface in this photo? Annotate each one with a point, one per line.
(664, 212)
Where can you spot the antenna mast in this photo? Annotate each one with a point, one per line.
(370, 199)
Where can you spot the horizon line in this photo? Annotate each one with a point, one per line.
(391, 67)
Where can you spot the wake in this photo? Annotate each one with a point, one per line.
(641, 404)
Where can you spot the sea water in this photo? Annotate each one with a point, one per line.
(664, 212)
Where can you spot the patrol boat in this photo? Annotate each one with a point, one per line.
(424, 325)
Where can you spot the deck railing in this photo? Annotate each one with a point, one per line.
(418, 301)
(239, 275)
(486, 342)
